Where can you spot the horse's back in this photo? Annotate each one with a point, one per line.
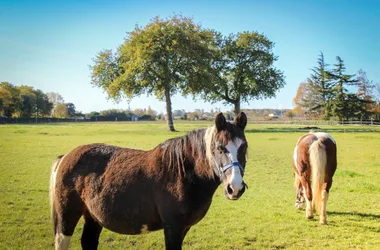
(98, 158)
(111, 183)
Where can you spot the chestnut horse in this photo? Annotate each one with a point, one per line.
(131, 191)
(314, 164)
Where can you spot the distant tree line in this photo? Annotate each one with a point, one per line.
(332, 94)
(26, 102)
(23, 101)
(123, 115)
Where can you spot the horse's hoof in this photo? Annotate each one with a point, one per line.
(299, 206)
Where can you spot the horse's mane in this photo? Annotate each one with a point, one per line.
(193, 151)
(187, 153)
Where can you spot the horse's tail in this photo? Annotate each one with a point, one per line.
(318, 161)
(53, 177)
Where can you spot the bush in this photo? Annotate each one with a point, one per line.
(146, 118)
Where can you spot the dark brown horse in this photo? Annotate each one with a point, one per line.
(314, 164)
(131, 191)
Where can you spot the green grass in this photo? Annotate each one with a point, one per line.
(264, 218)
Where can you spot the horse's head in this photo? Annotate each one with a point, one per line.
(227, 148)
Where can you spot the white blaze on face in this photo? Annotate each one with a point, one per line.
(232, 148)
(236, 178)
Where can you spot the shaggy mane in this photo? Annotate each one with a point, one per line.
(187, 153)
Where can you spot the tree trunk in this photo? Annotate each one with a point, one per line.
(169, 110)
(237, 107)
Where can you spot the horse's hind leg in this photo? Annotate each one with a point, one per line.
(325, 196)
(64, 228)
(91, 233)
(66, 211)
(300, 199)
(309, 196)
(322, 216)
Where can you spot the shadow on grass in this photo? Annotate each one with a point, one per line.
(361, 215)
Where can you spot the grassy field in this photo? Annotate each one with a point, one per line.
(264, 218)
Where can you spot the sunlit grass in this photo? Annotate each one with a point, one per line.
(264, 218)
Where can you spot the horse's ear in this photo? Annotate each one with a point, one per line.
(241, 120)
(220, 122)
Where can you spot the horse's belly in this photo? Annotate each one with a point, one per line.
(132, 218)
(132, 227)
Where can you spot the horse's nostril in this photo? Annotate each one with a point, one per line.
(229, 189)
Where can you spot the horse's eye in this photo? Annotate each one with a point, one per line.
(222, 149)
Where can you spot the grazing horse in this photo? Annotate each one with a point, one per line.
(131, 191)
(314, 164)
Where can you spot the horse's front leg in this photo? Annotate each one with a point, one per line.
(174, 236)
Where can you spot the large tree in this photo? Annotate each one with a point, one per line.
(322, 88)
(243, 70)
(29, 101)
(163, 58)
(70, 109)
(60, 111)
(367, 92)
(326, 93)
(55, 98)
(11, 99)
(306, 101)
(43, 106)
(5, 100)
(342, 97)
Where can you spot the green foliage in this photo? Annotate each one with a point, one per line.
(151, 113)
(60, 111)
(93, 113)
(11, 99)
(23, 101)
(115, 114)
(338, 104)
(43, 106)
(243, 70)
(264, 218)
(163, 58)
(320, 89)
(70, 109)
(29, 101)
(326, 93)
(146, 117)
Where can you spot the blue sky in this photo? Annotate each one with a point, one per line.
(49, 44)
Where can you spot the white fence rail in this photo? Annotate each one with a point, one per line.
(317, 122)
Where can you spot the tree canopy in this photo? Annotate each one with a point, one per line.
(326, 94)
(243, 70)
(176, 55)
(163, 58)
(23, 101)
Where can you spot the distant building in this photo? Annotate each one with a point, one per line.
(273, 116)
(135, 118)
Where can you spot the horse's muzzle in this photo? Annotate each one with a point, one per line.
(228, 192)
